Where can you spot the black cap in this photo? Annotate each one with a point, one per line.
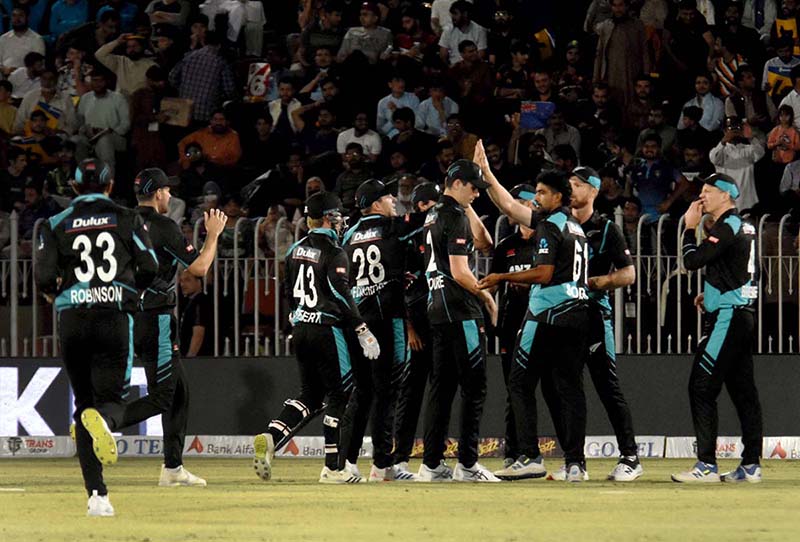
(425, 192)
(93, 171)
(151, 179)
(323, 203)
(523, 191)
(724, 182)
(468, 172)
(371, 191)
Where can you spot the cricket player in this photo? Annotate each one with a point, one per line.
(94, 258)
(725, 353)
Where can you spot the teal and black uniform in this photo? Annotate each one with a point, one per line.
(459, 339)
(376, 249)
(512, 254)
(725, 354)
(322, 313)
(551, 345)
(607, 251)
(103, 258)
(157, 341)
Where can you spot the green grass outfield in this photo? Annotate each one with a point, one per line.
(237, 506)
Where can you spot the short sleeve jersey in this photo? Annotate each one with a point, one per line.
(172, 251)
(447, 233)
(560, 242)
(607, 251)
(376, 248)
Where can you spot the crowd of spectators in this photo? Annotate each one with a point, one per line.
(654, 94)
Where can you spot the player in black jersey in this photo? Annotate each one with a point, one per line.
(321, 309)
(456, 316)
(418, 327)
(551, 345)
(610, 267)
(93, 259)
(514, 253)
(375, 247)
(725, 354)
(155, 327)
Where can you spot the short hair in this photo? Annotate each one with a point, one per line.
(652, 137)
(462, 46)
(201, 18)
(455, 116)
(519, 46)
(219, 111)
(461, 6)
(265, 116)
(7, 85)
(328, 80)
(743, 69)
(705, 75)
(636, 201)
(23, 8)
(32, 58)
(644, 77)
(693, 112)
(286, 80)
(443, 144)
(557, 181)
(609, 171)
(405, 114)
(354, 147)
(38, 114)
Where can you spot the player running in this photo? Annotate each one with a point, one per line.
(94, 258)
(375, 246)
(725, 354)
(418, 327)
(156, 328)
(514, 253)
(459, 340)
(610, 267)
(551, 345)
(321, 307)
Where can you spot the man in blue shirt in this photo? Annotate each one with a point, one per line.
(395, 100)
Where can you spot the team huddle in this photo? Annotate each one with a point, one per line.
(390, 305)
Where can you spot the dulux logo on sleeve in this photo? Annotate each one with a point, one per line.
(96, 222)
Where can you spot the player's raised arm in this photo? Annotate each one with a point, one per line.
(497, 192)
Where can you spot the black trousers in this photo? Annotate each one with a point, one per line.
(156, 344)
(556, 356)
(508, 339)
(325, 370)
(377, 385)
(725, 356)
(97, 349)
(602, 364)
(459, 359)
(409, 402)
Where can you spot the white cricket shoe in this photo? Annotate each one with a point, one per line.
(524, 467)
(179, 476)
(330, 476)
(576, 473)
(627, 469)
(561, 475)
(263, 453)
(99, 506)
(352, 468)
(701, 473)
(476, 473)
(401, 473)
(744, 473)
(442, 473)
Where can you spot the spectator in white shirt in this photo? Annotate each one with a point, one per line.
(18, 42)
(104, 120)
(433, 112)
(395, 100)
(463, 29)
(57, 106)
(360, 133)
(26, 79)
(793, 98)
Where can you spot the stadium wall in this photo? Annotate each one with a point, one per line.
(238, 396)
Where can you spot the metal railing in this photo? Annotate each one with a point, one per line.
(656, 314)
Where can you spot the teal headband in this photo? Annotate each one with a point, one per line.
(728, 187)
(527, 196)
